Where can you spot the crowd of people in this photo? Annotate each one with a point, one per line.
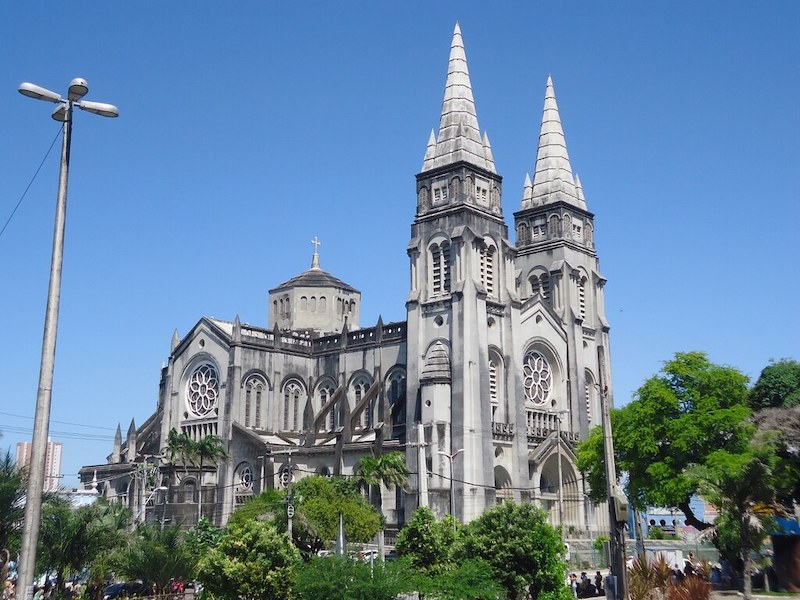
(585, 587)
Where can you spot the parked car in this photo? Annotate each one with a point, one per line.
(129, 589)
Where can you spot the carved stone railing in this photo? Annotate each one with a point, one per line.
(502, 431)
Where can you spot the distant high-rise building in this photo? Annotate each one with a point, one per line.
(52, 467)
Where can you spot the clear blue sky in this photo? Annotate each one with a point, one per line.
(248, 128)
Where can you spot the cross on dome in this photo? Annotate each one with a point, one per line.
(315, 258)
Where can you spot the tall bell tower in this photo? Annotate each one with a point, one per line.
(462, 286)
(558, 265)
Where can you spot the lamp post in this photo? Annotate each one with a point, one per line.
(451, 458)
(78, 88)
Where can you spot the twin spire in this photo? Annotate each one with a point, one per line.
(459, 136)
(460, 139)
(552, 175)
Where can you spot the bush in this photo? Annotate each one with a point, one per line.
(337, 578)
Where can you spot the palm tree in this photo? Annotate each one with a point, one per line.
(180, 448)
(744, 487)
(387, 469)
(12, 504)
(211, 448)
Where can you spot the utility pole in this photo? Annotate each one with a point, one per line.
(617, 503)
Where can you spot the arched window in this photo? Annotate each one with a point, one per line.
(493, 396)
(582, 297)
(440, 268)
(312, 305)
(303, 303)
(497, 395)
(253, 394)
(537, 378)
(291, 406)
(487, 267)
(324, 395)
(555, 227)
(540, 284)
(323, 304)
(590, 393)
(358, 389)
(396, 391)
(523, 233)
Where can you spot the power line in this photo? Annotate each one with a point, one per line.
(30, 183)
(8, 414)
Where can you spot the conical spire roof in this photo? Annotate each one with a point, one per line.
(552, 178)
(459, 136)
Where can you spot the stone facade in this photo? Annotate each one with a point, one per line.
(497, 372)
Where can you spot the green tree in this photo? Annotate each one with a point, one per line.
(784, 425)
(337, 578)
(743, 486)
(471, 578)
(678, 417)
(525, 553)
(319, 501)
(387, 470)
(66, 539)
(12, 503)
(268, 505)
(253, 561)
(210, 449)
(154, 555)
(427, 543)
(778, 386)
(180, 449)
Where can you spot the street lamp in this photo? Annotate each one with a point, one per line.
(451, 458)
(78, 88)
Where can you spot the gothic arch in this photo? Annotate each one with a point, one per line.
(255, 386)
(357, 387)
(395, 390)
(497, 387)
(293, 396)
(502, 484)
(323, 393)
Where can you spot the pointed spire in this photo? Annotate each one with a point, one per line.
(175, 340)
(116, 453)
(430, 150)
(487, 151)
(527, 193)
(579, 192)
(132, 429)
(552, 178)
(459, 134)
(237, 329)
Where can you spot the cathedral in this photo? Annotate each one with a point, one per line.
(497, 372)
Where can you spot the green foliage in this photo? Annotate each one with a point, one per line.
(387, 469)
(203, 538)
(268, 505)
(253, 561)
(337, 578)
(599, 543)
(12, 503)
(319, 501)
(778, 386)
(524, 551)
(471, 578)
(743, 486)
(426, 543)
(154, 555)
(678, 417)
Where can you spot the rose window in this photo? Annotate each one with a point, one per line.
(245, 478)
(202, 390)
(538, 378)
